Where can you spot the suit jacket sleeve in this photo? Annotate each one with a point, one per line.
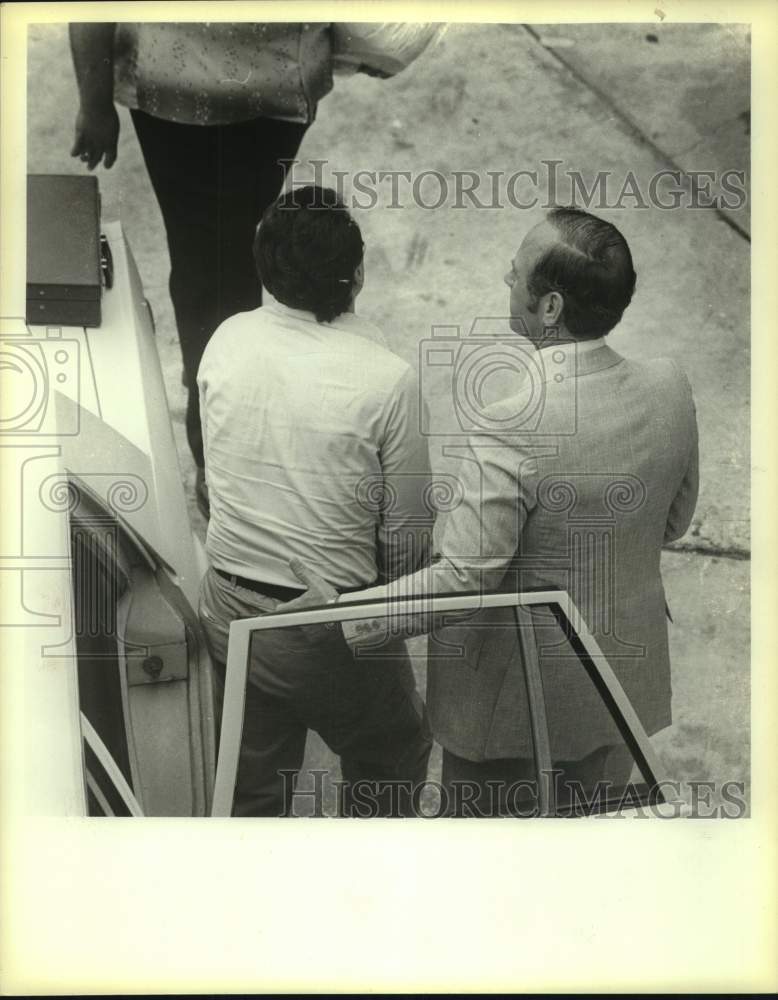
(476, 542)
(682, 508)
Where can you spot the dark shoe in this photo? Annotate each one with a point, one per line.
(201, 494)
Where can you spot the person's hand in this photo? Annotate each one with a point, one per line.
(317, 592)
(97, 135)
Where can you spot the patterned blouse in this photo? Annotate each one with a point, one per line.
(201, 73)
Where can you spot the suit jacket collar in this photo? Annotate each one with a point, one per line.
(597, 360)
(566, 361)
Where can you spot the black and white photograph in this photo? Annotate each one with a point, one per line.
(376, 444)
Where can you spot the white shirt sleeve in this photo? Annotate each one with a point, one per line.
(408, 516)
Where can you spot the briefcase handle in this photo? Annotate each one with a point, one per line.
(106, 261)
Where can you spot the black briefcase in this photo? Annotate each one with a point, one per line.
(63, 250)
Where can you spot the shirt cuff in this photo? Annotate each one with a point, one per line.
(359, 629)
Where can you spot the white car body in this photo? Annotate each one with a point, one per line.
(105, 409)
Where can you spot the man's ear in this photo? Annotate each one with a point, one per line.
(553, 309)
(359, 280)
(356, 287)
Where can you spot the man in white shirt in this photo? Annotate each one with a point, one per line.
(313, 449)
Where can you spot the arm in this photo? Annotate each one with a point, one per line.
(477, 544)
(408, 516)
(97, 123)
(478, 541)
(682, 508)
(479, 537)
(202, 389)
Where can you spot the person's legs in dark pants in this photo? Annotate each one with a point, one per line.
(212, 182)
(271, 752)
(304, 678)
(489, 788)
(508, 786)
(364, 712)
(583, 783)
(383, 744)
(384, 758)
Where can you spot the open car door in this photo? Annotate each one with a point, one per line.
(647, 784)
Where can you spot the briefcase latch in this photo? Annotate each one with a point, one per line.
(106, 262)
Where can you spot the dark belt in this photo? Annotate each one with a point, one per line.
(274, 590)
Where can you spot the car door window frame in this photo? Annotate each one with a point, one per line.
(561, 604)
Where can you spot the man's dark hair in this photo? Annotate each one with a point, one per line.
(307, 250)
(591, 267)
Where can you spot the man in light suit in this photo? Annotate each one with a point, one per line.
(582, 477)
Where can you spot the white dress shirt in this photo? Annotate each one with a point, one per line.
(304, 423)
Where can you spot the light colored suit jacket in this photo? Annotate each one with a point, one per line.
(578, 483)
(583, 501)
